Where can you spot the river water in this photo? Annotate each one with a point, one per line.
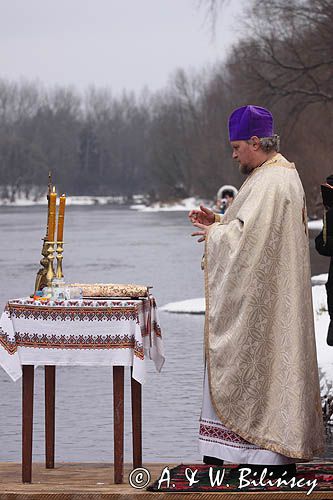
(107, 244)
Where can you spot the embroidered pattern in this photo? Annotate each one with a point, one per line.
(43, 341)
(7, 343)
(71, 336)
(78, 342)
(215, 432)
(61, 313)
(80, 332)
(157, 329)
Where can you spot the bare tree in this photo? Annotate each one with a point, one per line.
(212, 9)
(292, 57)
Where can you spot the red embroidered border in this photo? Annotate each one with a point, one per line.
(9, 345)
(72, 342)
(210, 431)
(157, 329)
(73, 313)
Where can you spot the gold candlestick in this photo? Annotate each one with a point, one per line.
(41, 280)
(50, 257)
(60, 249)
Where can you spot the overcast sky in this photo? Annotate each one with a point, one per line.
(115, 43)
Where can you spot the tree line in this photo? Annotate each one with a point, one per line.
(174, 143)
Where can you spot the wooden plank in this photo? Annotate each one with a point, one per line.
(118, 423)
(136, 398)
(27, 421)
(86, 481)
(50, 375)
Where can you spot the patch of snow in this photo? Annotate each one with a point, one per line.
(138, 206)
(191, 306)
(92, 200)
(22, 201)
(320, 279)
(319, 299)
(324, 352)
(315, 224)
(183, 205)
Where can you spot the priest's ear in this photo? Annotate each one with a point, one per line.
(255, 142)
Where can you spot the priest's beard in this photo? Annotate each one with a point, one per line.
(245, 169)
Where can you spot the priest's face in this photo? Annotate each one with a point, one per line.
(244, 153)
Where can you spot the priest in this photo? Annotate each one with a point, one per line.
(261, 402)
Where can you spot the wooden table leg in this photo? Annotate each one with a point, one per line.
(136, 422)
(50, 375)
(27, 421)
(118, 423)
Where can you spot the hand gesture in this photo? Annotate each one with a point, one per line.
(202, 233)
(203, 216)
(201, 219)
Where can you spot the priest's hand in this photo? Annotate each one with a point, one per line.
(202, 233)
(203, 216)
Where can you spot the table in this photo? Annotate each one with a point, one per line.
(87, 332)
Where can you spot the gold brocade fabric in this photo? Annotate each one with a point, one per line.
(259, 327)
(112, 290)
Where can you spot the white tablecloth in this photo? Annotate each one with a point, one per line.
(80, 332)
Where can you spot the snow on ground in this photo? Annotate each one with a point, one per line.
(178, 206)
(22, 201)
(191, 306)
(321, 317)
(182, 205)
(94, 200)
(315, 224)
(319, 299)
(320, 279)
(324, 351)
(194, 202)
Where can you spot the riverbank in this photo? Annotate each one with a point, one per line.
(139, 205)
(23, 201)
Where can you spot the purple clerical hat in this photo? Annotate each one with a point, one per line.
(248, 121)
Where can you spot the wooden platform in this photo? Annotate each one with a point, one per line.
(94, 481)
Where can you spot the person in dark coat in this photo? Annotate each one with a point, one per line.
(324, 245)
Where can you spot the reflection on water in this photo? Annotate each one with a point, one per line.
(104, 244)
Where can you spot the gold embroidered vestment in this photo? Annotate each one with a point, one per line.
(259, 328)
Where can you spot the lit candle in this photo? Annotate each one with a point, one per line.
(61, 218)
(52, 215)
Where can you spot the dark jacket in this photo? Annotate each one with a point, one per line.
(324, 246)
